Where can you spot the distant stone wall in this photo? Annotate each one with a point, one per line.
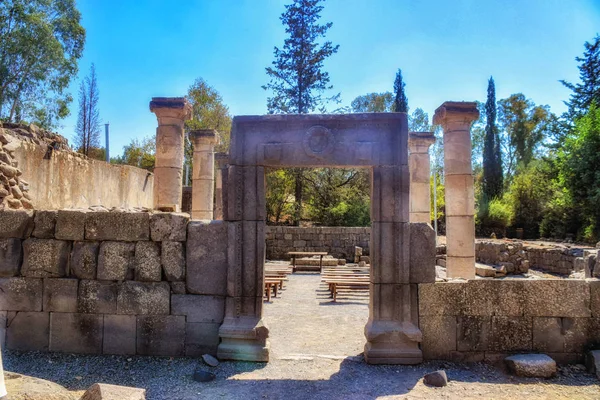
(337, 241)
(487, 319)
(111, 282)
(52, 176)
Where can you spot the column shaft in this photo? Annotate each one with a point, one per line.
(418, 161)
(203, 175)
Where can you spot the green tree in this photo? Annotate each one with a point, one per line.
(41, 43)
(373, 102)
(87, 130)
(400, 99)
(279, 196)
(588, 90)
(297, 79)
(138, 153)
(492, 158)
(418, 121)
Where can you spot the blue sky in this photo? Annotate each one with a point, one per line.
(447, 51)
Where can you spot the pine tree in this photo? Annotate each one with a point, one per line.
(588, 90)
(297, 79)
(492, 158)
(401, 101)
(88, 120)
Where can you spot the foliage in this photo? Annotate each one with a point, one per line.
(588, 91)
(492, 159)
(418, 121)
(138, 153)
(42, 41)
(439, 198)
(297, 79)
(373, 102)
(87, 131)
(279, 196)
(400, 99)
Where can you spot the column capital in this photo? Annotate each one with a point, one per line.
(205, 136)
(419, 142)
(456, 112)
(171, 107)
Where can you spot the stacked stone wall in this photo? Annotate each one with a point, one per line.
(337, 241)
(488, 319)
(111, 282)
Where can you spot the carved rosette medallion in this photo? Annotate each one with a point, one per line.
(318, 141)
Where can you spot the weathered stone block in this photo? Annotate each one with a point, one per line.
(442, 298)
(201, 338)
(126, 226)
(147, 261)
(16, 223)
(595, 298)
(76, 333)
(60, 295)
(531, 365)
(206, 258)
(104, 391)
(11, 256)
(169, 226)
(45, 258)
(510, 334)
(84, 259)
(558, 298)
(97, 297)
(20, 294)
(172, 258)
(198, 308)
(44, 224)
(560, 335)
(439, 336)
(116, 261)
(422, 253)
(3, 323)
(27, 331)
(472, 333)
(119, 334)
(160, 335)
(70, 224)
(142, 298)
(178, 287)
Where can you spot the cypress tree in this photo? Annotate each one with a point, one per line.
(492, 158)
(401, 101)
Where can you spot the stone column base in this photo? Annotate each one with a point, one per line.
(244, 339)
(392, 342)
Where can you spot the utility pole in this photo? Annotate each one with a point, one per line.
(106, 135)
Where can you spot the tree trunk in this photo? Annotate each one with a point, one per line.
(299, 183)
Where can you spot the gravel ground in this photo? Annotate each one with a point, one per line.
(316, 350)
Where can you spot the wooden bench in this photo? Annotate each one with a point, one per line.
(307, 253)
(271, 285)
(334, 284)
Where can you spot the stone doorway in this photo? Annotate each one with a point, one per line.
(376, 141)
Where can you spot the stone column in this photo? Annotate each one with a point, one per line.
(418, 163)
(222, 160)
(171, 112)
(203, 175)
(456, 119)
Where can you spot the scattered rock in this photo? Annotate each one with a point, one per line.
(531, 365)
(485, 271)
(437, 378)
(104, 391)
(592, 362)
(210, 360)
(203, 376)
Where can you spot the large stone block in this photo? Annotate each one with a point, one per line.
(462, 242)
(206, 258)
(44, 224)
(390, 252)
(460, 195)
(172, 258)
(169, 226)
(201, 338)
(60, 295)
(509, 334)
(11, 256)
(595, 298)
(16, 223)
(126, 226)
(76, 333)
(70, 224)
(45, 258)
(160, 335)
(390, 201)
(84, 259)
(27, 331)
(147, 261)
(97, 297)
(439, 336)
(245, 197)
(198, 308)
(558, 298)
(560, 335)
(116, 261)
(422, 253)
(20, 294)
(144, 298)
(119, 334)
(472, 333)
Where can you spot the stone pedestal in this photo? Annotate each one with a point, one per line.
(203, 175)
(418, 162)
(222, 160)
(456, 119)
(171, 112)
